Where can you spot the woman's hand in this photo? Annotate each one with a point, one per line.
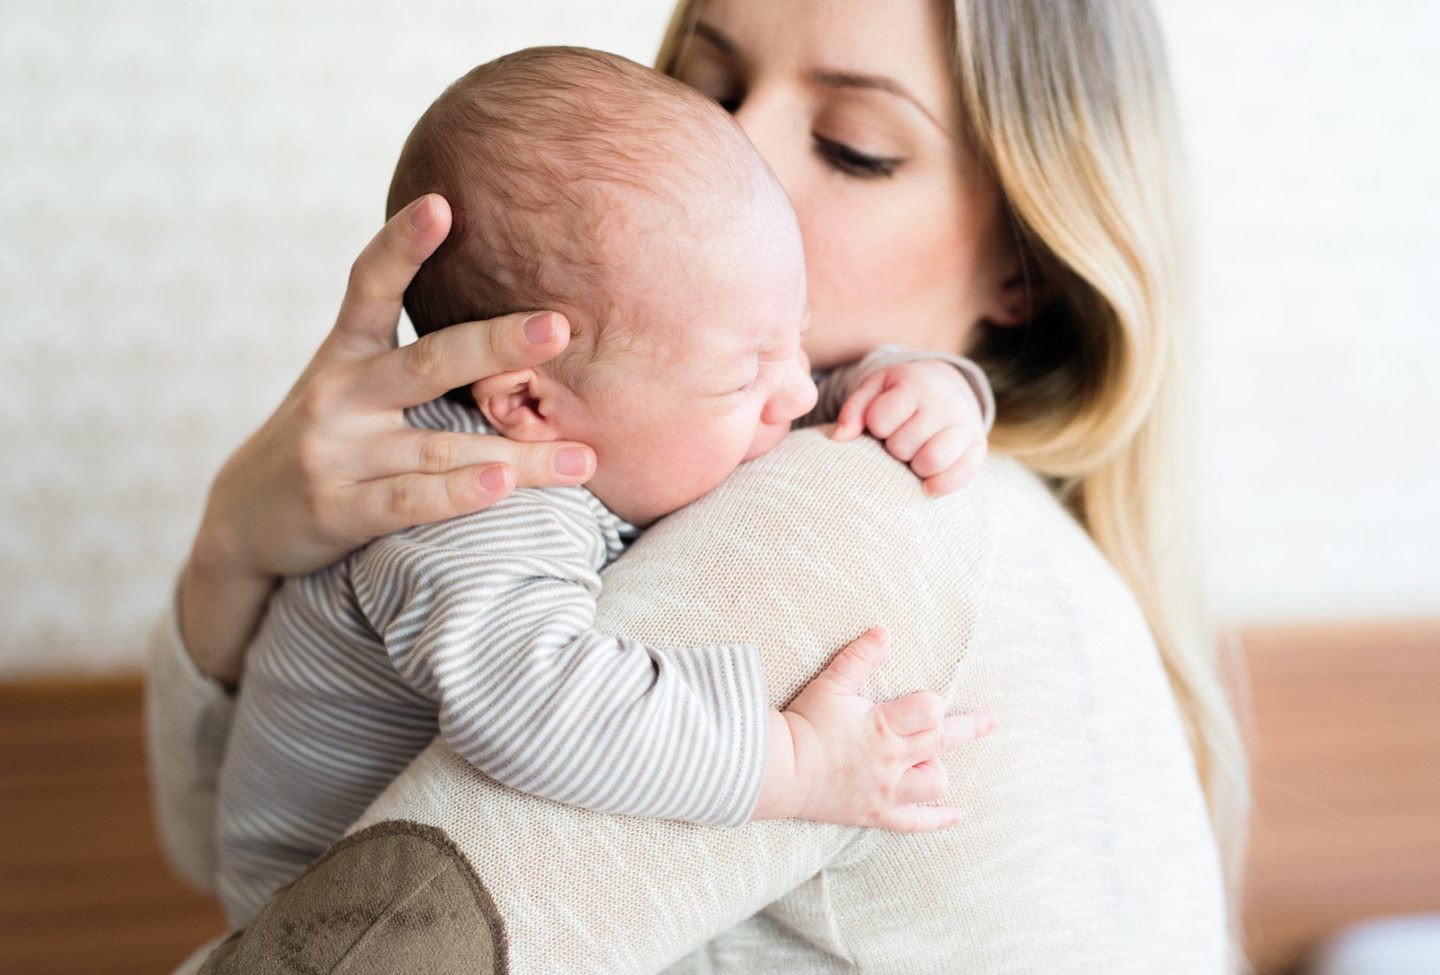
(335, 466)
(836, 757)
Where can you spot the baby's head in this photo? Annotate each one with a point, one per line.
(583, 183)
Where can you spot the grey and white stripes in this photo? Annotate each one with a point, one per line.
(483, 627)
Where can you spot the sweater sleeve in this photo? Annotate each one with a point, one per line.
(187, 723)
(836, 385)
(492, 617)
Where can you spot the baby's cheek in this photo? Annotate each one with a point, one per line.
(767, 438)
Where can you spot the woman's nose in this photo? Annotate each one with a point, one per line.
(768, 118)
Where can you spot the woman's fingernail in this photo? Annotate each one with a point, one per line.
(539, 328)
(493, 479)
(421, 215)
(571, 462)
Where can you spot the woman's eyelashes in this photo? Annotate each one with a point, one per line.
(837, 155)
(854, 162)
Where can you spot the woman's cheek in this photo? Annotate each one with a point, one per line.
(856, 284)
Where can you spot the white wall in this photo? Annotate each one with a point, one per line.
(184, 184)
(1315, 144)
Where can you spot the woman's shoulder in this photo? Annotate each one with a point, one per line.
(857, 485)
(827, 538)
(853, 508)
(1000, 570)
(842, 502)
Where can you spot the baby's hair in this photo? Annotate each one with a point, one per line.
(547, 156)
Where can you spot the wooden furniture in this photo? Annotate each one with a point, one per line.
(1347, 784)
(83, 886)
(1346, 771)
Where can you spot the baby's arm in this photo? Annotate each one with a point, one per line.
(492, 615)
(932, 410)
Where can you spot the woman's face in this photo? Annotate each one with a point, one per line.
(852, 104)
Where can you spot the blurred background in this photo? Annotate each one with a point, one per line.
(184, 185)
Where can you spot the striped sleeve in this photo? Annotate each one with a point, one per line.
(836, 385)
(492, 616)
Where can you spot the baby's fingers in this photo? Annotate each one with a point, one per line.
(851, 421)
(889, 412)
(913, 713)
(925, 782)
(854, 665)
(958, 475)
(962, 728)
(955, 730)
(906, 443)
(942, 451)
(919, 819)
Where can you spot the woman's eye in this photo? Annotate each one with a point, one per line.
(727, 98)
(854, 162)
(718, 89)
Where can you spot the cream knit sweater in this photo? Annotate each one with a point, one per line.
(1086, 847)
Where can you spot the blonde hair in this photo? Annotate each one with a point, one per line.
(1069, 105)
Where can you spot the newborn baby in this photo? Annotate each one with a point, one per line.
(582, 183)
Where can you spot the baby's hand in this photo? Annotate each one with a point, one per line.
(927, 414)
(858, 763)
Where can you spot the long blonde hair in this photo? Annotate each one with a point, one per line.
(1070, 107)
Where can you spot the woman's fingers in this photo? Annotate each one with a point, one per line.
(551, 464)
(389, 505)
(460, 356)
(382, 272)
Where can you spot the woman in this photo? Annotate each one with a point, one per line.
(990, 177)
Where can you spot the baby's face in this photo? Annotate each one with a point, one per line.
(721, 379)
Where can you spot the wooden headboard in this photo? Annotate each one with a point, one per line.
(1346, 769)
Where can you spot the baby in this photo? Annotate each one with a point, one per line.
(583, 183)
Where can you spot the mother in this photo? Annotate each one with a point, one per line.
(992, 177)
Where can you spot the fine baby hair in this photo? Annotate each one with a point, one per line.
(563, 168)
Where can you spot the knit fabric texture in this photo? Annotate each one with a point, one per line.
(1085, 848)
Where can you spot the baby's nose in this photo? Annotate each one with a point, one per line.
(807, 395)
(796, 398)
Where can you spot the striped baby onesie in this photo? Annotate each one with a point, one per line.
(480, 627)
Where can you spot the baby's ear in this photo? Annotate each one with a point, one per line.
(513, 403)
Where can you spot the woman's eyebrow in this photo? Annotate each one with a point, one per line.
(725, 44)
(825, 78)
(871, 82)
